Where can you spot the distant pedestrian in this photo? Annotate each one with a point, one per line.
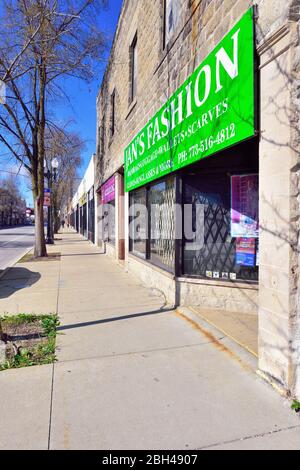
(63, 224)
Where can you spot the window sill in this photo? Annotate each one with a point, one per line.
(251, 285)
(239, 284)
(111, 140)
(131, 108)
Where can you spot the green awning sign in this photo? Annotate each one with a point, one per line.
(212, 110)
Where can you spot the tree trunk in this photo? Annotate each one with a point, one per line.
(40, 245)
(38, 195)
(56, 222)
(1, 332)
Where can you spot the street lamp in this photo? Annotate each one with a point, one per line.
(51, 176)
(54, 164)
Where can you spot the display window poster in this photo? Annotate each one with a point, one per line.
(244, 206)
(245, 252)
(257, 255)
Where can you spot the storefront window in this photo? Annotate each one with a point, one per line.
(77, 219)
(81, 219)
(138, 220)
(228, 247)
(91, 216)
(84, 220)
(109, 222)
(220, 224)
(162, 225)
(152, 219)
(108, 218)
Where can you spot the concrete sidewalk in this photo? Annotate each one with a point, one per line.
(132, 373)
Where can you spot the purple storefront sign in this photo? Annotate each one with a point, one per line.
(108, 191)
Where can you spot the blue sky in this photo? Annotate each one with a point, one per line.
(80, 111)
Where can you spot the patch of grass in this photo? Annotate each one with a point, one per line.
(296, 406)
(20, 319)
(30, 258)
(49, 323)
(26, 258)
(41, 349)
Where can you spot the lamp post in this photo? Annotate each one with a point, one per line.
(51, 176)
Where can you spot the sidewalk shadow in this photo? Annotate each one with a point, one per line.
(113, 319)
(16, 279)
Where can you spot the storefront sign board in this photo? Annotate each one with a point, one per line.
(83, 199)
(212, 110)
(108, 191)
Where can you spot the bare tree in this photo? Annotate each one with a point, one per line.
(68, 148)
(12, 205)
(41, 42)
(9, 184)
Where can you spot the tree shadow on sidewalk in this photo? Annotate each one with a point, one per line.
(16, 279)
(84, 254)
(115, 319)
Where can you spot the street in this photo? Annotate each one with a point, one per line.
(14, 242)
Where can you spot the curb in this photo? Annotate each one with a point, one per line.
(15, 262)
(4, 272)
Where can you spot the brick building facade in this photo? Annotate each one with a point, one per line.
(158, 45)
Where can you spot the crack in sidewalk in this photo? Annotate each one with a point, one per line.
(132, 353)
(246, 438)
(53, 366)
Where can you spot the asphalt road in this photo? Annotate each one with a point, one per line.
(14, 243)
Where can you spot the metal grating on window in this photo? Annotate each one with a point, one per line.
(217, 252)
(217, 255)
(138, 222)
(161, 199)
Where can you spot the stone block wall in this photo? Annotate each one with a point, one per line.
(218, 295)
(279, 344)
